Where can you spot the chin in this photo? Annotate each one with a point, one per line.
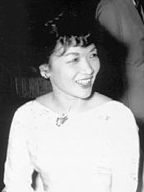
(85, 94)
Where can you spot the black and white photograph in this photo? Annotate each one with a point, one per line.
(71, 95)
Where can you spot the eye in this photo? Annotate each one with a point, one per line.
(93, 55)
(73, 60)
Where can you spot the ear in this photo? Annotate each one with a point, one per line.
(44, 70)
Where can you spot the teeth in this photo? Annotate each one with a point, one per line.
(83, 82)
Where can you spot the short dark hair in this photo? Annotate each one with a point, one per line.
(65, 28)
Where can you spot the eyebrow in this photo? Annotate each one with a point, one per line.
(76, 53)
(94, 48)
(72, 53)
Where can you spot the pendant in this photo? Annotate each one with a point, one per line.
(61, 120)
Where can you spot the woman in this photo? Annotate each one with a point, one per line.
(77, 140)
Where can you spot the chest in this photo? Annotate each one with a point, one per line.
(78, 143)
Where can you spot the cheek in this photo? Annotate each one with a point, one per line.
(96, 66)
(61, 76)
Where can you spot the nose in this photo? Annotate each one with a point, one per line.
(86, 67)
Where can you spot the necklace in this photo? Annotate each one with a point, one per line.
(61, 120)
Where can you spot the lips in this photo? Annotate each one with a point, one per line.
(84, 82)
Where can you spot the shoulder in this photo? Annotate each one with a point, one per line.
(35, 105)
(113, 7)
(28, 118)
(105, 3)
(111, 3)
(21, 122)
(25, 108)
(27, 112)
(117, 111)
(118, 120)
(108, 12)
(98, 99)
(121, 119)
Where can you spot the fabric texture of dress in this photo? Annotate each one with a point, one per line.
(93, 151)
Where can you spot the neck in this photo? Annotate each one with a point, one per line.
(64, 104)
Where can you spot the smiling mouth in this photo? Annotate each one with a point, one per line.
(84, 82)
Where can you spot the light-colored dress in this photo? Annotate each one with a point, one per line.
(93, 151)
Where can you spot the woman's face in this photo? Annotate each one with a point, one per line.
(73, 73)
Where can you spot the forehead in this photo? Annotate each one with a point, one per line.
(81, 49)
(73, 49)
